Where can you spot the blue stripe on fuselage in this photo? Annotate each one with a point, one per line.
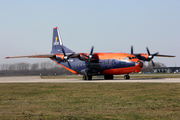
(113, 63)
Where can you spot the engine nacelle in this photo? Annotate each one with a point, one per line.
(82, 58)
(57, 58)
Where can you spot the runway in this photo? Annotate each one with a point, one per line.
(37, 79)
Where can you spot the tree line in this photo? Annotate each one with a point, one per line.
(43, 68)
(49, 68)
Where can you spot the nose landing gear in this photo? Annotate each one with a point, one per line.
(87, 77)
(126, 77)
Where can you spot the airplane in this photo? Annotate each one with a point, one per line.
(94, 64)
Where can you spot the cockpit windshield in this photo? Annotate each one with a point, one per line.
(131, 57)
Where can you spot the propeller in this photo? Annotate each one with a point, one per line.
(66, 57)
(151, 56)
(90, 56)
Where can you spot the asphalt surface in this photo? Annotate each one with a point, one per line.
(37, 79)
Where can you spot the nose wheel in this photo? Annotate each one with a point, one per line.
(126, 77)
(87, 77)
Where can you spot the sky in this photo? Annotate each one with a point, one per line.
(109, 25)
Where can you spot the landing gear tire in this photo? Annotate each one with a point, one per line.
(84, 77)
(108, 77)
(126, 77)
(87, 77)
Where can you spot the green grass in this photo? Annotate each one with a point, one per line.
(90, 101)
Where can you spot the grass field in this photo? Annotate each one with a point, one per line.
(90, 101)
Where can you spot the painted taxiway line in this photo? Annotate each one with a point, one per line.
(37, 79)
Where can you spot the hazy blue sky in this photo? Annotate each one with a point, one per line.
(109, 25)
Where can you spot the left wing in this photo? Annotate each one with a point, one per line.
(33, 56)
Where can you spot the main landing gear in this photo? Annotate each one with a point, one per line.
(87, 77)
(126, 77)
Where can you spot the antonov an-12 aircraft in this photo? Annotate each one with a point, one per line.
(93, 64)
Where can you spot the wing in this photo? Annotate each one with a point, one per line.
(77, 55)
(80, 56)
(158, 55)
(33, 56)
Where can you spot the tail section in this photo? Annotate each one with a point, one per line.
(57, 43)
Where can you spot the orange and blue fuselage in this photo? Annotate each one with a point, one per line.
(103, 64)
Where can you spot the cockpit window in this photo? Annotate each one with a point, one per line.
(127, 58)
(131, 57)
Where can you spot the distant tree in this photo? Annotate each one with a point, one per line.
(22, 66)
(149, 67)
(12, 67)
(44, 68)
(35, 66)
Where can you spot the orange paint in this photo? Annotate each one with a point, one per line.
(144, 55)
(118, 56)
(67, 68)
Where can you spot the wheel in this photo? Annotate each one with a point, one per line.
(108, 77)
(126, 77)
(89, 77)
(84, 77)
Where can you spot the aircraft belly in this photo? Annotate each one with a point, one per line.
(118, 71)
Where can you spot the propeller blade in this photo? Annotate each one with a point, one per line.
(155, 54)
(131, 50)
(69, 64)
(147, 50)
(92, 50)
(152, 63)
(63, 51)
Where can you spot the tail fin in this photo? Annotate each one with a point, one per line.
(57, 43)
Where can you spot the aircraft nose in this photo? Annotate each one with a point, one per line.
(140, 64)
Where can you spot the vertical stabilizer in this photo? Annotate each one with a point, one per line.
(57, 43)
